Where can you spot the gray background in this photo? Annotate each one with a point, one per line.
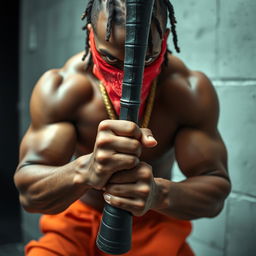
(217, 37)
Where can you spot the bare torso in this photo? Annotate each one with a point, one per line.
(67, 108)
(163, 124)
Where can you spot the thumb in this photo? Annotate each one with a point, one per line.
(147, 138)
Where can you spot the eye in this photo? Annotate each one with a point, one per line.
(148, 60)
(110, 59)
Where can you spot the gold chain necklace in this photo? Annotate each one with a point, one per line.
(111, 112)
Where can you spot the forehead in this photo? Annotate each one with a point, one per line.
(117, 38)
(115, 45)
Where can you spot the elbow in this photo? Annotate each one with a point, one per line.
(34, 200)
(30, 204)
(218, 203)
(29, 198)
(18, 181)
(33, 205)
(215, 210)
(22, 181)
(215, 206)
(38, 203)
(218, 206)
(26, 198)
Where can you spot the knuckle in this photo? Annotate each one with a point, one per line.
(82, 162)
(132, 162)
(146, 165)
(102, 140)
(146, 131)
(145, 174)
(101, 157)
(144, 190)
(135, 146)
(100, 170)
(131, 127)
(103, 125)
(140, 205)
(117, 202)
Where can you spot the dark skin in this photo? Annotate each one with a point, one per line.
(64, 124)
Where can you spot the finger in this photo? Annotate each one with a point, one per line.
(121, 128)
(124, 162)
(125, 145)
(130, 205)
(141, 172)
(147, 138)
(134, 190)
(107, 165)
(125, 176)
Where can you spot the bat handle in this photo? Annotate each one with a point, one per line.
(115, 231)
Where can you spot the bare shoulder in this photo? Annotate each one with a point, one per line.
(190, 93)
(59, 92)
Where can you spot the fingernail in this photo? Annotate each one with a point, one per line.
(150, 137)
(107, 198)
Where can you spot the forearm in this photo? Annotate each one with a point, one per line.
(50, 189)
(196, 197)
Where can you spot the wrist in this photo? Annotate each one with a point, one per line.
(161, 199)
(81, 171)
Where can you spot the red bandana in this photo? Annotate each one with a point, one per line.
(112, 77)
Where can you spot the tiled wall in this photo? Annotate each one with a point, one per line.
(217, 37)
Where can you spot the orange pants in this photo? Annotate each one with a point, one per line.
(73, 233)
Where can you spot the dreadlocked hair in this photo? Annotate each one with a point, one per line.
(173, 22)
(87, 14)
(111, 9)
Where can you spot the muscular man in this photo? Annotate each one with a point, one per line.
(73, 157)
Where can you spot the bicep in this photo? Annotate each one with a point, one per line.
(199, 152)
(199, 147)
(52, 144)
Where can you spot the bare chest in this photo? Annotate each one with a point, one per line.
(162, 124)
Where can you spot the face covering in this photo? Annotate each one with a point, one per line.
(112, 77)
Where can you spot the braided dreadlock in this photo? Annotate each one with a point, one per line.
(87, 14)
(166, 4)
(173, 22)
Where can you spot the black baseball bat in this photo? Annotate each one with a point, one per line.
(115, 231)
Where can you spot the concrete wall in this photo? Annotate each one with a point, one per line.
(50, 34)
(217, 37)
